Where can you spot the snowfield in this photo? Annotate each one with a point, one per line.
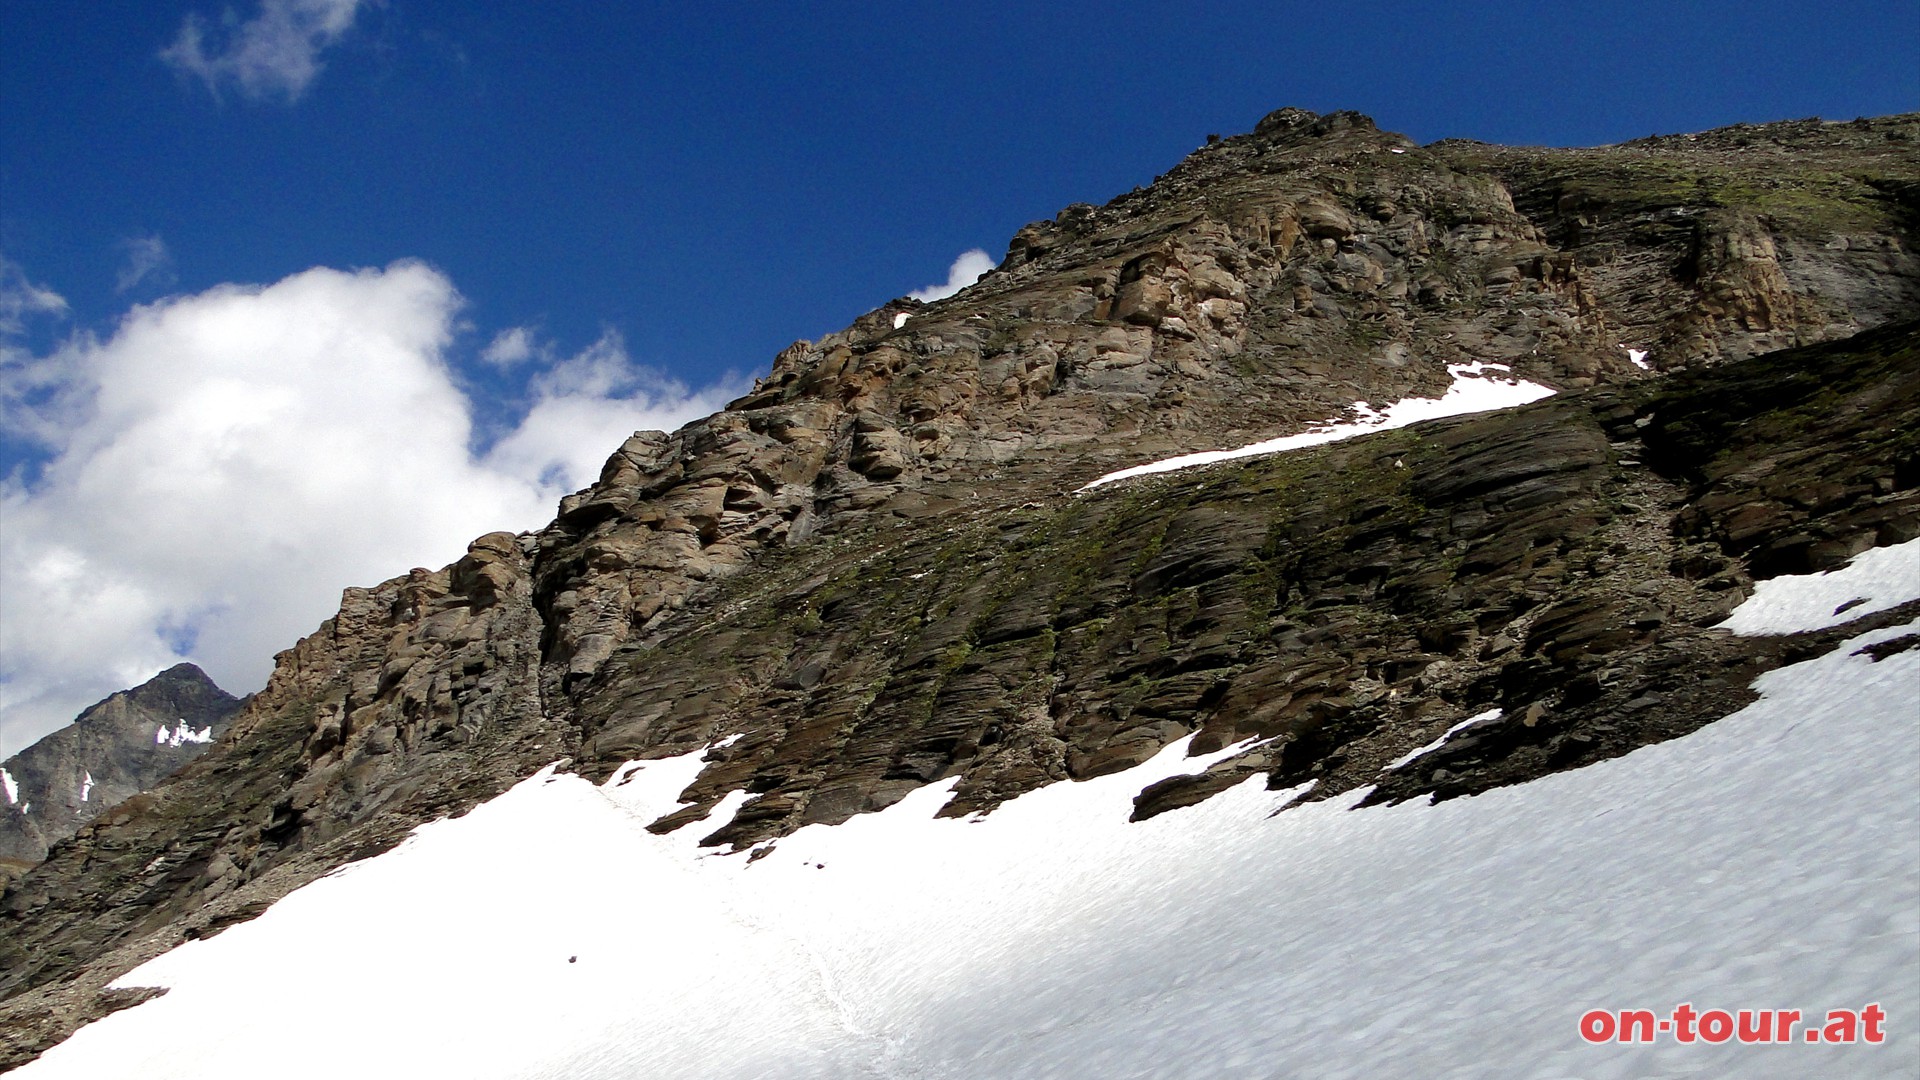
(1770, 860)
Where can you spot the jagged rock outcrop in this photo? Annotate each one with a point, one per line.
(871, 567)
(114, 750)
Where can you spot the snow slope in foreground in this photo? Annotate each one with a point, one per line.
(1771, 860)
(1475, 389)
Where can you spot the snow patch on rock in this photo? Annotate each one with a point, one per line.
(1436, 744)
(1475, 389)
(182, 734)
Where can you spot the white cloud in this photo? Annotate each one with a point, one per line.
(277, 52)
(586, 406)
(224, 463)
(20, 298)
(965, 271)
(147, 257)
(31, 402)
(509, 347)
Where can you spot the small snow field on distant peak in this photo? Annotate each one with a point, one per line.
(184, 733)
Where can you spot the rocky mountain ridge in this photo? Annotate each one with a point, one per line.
(871, 568)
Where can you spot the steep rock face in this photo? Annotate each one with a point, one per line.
(1268, 281)
(870, 569)
(1342, 605)
(115, 749)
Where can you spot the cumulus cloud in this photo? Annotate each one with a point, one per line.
(226, 462)
(965, 271)
(509, 347)
(584, 407)
(147, 260)
(275, 53)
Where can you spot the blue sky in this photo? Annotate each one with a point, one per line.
(717, 180)
(635, 206)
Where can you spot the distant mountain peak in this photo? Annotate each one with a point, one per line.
(116, 748)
